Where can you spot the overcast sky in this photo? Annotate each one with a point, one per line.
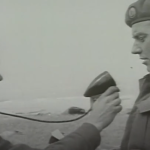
(54, 48)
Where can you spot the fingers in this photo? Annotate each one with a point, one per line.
(116, 102)
(117, 105)
(118, 108)
(111, 90)
(113, 97)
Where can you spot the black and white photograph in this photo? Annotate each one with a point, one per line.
(74, 75)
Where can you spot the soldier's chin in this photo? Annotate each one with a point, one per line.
(1, 78)
(148, 68)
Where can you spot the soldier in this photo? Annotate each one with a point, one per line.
(137, 132)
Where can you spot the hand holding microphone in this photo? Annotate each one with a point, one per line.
(106, 108)
(108, 104)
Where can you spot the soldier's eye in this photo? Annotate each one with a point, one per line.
(141, 38)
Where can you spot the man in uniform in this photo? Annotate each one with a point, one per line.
(137, 132)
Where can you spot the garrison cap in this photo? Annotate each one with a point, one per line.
(137, 12)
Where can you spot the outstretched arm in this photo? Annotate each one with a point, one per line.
(84, 138)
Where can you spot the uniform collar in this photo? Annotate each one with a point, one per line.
(144, 84)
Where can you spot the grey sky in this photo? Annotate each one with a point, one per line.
(54, 48)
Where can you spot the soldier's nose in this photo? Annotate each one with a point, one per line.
(136, 50)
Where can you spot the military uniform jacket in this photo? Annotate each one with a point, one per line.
(137, 132)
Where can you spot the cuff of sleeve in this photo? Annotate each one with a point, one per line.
(4, 144)
(90, 133)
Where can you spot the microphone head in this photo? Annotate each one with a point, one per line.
(100, 84)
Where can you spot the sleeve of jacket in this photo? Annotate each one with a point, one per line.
(4, 144)
(86, 137)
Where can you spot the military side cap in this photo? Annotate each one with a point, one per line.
(137, 12)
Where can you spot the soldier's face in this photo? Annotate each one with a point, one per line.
(141, 34)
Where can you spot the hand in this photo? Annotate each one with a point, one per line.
(106, 108)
